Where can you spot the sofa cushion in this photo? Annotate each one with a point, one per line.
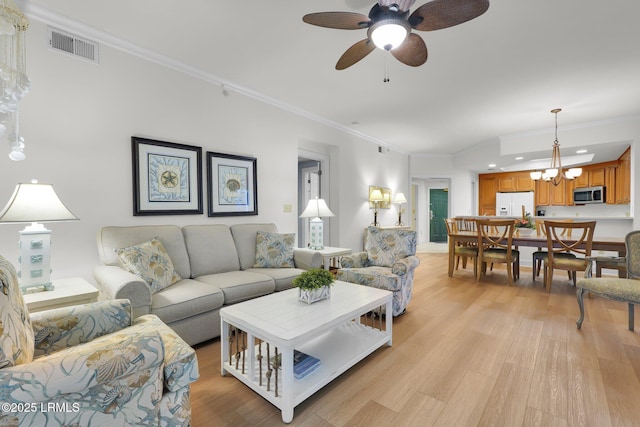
(16, 334)
(185, 299)
(244, 236)
(150, 261)
(238, 286)
(110, 238)
(211, 249)
(283, 277)
(385, 247)
(274, 250)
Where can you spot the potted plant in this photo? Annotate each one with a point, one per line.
(525, 225)
(314, 285)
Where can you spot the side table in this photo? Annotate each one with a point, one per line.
(66, 292)
(330, 256)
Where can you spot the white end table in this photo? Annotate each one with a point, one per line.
(66, 292)
(330, 256)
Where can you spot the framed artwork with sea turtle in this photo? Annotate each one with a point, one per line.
(232, 184)
(167, 178)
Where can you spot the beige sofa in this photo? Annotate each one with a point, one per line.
(215, 263)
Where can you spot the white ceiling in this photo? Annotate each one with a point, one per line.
(499, 74)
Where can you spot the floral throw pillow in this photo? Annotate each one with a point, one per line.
(385, 247)
(151, 262)
(274, 250)
(16, 334)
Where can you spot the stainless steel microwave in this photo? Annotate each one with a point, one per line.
(589, 195)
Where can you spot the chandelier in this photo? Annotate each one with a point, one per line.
(555, 173)
(14, 83)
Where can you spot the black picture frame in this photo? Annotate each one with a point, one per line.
(167, 178)
(232, 183)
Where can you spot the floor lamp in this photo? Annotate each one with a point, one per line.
(35, 203)
(316, 208)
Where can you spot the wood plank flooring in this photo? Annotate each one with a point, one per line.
(466, 353)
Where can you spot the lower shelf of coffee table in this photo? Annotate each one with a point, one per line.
(338, 350)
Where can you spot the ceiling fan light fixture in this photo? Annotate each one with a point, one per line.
(387, 35)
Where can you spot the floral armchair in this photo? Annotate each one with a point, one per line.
(388, 262)
(89, 365)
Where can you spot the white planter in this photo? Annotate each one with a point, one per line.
(525, 231)
(312, 295)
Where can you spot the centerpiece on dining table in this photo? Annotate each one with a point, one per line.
(525, 225)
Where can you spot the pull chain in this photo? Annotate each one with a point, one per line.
(386, 78)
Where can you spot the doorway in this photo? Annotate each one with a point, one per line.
(438, 212)
(312, 181)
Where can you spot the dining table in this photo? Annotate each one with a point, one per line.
(612, 244)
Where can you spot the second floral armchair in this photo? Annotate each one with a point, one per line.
(388, 262)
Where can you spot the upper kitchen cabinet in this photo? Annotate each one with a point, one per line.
(514, 181)
(623, 179)
(592, 176)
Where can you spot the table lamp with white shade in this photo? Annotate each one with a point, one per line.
(376, 197)
(316, 208)
(400, 200)
(35, 203)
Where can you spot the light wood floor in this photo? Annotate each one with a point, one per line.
(466, 353)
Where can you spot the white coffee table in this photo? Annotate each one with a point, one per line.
(330, 330)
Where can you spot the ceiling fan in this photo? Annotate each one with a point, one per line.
(389, 26)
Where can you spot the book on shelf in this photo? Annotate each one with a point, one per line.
(303, 363)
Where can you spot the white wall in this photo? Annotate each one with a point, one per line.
(79, 118)
(428, 169)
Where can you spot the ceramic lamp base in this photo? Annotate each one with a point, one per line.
(316, 227)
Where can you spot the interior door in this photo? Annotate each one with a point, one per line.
(438, 211)
(311, 190)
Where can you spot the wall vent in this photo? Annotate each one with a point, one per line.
(71, 44)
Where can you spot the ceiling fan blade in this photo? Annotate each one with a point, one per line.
(338, 20)
(412, 52)
(355, 53)
(403, 5)
(438, 14)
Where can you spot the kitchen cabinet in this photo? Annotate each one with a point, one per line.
(610, 184)
(623, 179)
(542, 196)
(615, 176)
(510, 182)
(548, 194)
(488, 187)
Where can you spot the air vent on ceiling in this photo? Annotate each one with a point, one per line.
(71, 44)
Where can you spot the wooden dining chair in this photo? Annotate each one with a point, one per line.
(578, 244)
(539, 256)
(462, 251)
(495, 245)
(465, 224)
